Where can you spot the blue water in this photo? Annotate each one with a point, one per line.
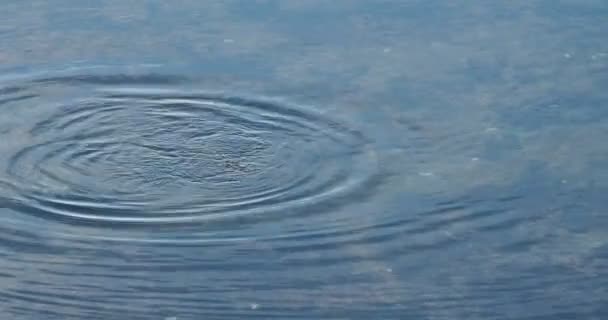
(303, 160)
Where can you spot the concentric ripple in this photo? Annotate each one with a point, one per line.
(122, 150)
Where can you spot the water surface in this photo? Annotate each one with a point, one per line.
(303, 160)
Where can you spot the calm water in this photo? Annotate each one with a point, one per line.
(303, 160)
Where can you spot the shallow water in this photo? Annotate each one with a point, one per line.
(306, 160)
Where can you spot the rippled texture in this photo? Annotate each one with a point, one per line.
(288, 159)
(121, 153)
(151, 168)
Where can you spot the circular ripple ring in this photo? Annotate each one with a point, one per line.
(116, 149)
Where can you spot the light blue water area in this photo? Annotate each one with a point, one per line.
(303, 160)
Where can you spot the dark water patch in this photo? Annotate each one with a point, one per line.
(116, 79)
(17, 98)
(14, 94)
(10, 90)
(24, 241)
